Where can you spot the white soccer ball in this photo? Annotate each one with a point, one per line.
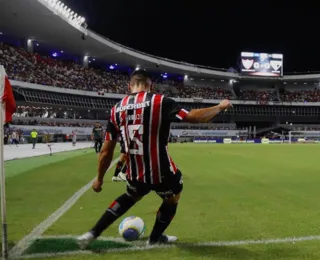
(132, 228)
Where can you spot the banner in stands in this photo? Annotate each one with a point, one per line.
(191, 132)
(54, 129)
(227, 141)
(237, 141)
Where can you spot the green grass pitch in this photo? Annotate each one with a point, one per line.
(231, 193)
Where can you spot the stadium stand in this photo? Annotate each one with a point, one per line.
(33, 68)
(91, 92)
(256, 95)
(301, 96)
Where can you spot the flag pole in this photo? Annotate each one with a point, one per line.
(3, 178)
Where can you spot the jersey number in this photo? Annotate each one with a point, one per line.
(135, 132)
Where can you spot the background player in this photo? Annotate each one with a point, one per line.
(97, 136)
(144, 121)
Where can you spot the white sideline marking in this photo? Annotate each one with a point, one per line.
(211, 243)
(177, 245)
(25, 242)
(114, 239)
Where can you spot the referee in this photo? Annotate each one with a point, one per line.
(97, 136)
(34, 138)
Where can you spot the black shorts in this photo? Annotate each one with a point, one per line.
(122, 148)
(172, 186)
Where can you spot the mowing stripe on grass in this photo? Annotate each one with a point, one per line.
(21, 166)
(25, 242)
(177, 245)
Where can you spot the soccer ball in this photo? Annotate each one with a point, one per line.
(132, 228)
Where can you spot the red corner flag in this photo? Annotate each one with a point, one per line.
(7, 97)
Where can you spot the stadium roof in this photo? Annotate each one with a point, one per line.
(31, 19)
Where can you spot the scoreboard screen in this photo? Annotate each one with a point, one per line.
(261, 64)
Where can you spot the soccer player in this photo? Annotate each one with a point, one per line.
(121, 167)
(14, 138)
(74, 137)
(143, 119)
(96, 136)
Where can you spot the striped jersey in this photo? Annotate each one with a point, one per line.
(143, 121)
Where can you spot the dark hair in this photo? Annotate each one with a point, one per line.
(140, 77)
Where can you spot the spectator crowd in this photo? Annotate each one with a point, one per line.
(301, 96)
(261, 96)
(24, 66)
(60, 124)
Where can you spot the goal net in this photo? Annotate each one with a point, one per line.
(304, 137)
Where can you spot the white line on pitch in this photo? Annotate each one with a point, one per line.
(177, 245)
(211, 243)
(114, 239)
(25, 242)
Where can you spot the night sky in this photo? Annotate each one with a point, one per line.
(211, 33)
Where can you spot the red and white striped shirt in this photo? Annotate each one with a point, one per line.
(143, 120)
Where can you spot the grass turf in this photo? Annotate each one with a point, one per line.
(36, 192)
(232, 192)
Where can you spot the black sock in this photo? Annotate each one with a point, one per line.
(96, 146)
(124, 169)
(100, 145)
(118, 168)
(117, 208)
(164, 216)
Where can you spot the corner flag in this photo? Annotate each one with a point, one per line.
(6, 96)
(7, 108)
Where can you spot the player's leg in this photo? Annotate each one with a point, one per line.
(123, 173)
(120, 163)
(124, 169)
(135, 192)
(170, 194)
(119, 166)
(100, 145)
(96, 145)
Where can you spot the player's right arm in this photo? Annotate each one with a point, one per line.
(175, 113)
(106, 155)
(205, 115)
